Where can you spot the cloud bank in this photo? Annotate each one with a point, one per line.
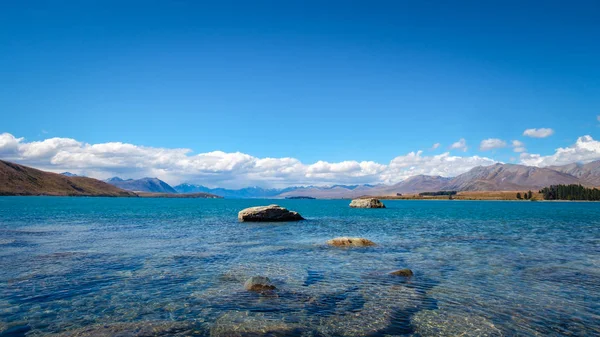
(236, 169)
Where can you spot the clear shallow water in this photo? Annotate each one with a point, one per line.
(103, 266)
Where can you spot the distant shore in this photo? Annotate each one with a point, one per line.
(465, 195)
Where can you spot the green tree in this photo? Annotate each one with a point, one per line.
(529, 194)
(519, 196)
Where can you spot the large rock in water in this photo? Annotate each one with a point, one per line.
(271, 213)
(350, 242)
(366, 203)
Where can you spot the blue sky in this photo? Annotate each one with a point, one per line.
(332, 82)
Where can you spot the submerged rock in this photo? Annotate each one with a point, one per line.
(350, 242)
(132, 329)
(238, 324)
(258, 283)
(443, 323)
(366, 203)
(271, 213)
(382, 306)
(402, 272)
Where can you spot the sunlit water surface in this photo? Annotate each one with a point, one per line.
(132, 267)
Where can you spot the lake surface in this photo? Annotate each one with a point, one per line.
(129, 267)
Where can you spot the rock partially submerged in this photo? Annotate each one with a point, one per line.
(350, 242)
(366, 203)
(259, 283)
(402, 272)
(271, 213)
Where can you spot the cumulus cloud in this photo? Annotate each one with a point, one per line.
(460, 145)
(538, 133)
(217, 168)
(518, 146)
(491, 143)
(435, 146)
(585, 150)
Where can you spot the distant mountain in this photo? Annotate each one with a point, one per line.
(17, 179)
(248, 192)
(152, 185)
(416, 184)
(69, 174)
(328, 192)
(588, 174)
(508, 177)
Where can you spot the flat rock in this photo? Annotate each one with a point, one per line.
(258, 283)
(350, 242)
(271, 213)
(366, 203)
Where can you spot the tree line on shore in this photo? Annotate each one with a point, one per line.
(569, 192)
(526, 195)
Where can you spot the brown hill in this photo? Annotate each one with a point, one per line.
(415, 184)
(588, 174)
(508, 177)
(22, 180)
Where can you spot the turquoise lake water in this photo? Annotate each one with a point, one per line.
(132, 267)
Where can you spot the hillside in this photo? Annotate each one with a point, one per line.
(420, 183)
(588, 174)
(508, 177)
(22, 180)
(151, 185)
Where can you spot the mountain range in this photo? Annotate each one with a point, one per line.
(497, 177)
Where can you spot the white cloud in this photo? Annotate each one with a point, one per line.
(460, 145)
(538, 133)
(491, 143)
(598, 118)
(435, 146)
(585, 150)
(518, 146)
(219, 168)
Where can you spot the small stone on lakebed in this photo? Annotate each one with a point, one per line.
(403, 272)
(350, 242)
(258, 283)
